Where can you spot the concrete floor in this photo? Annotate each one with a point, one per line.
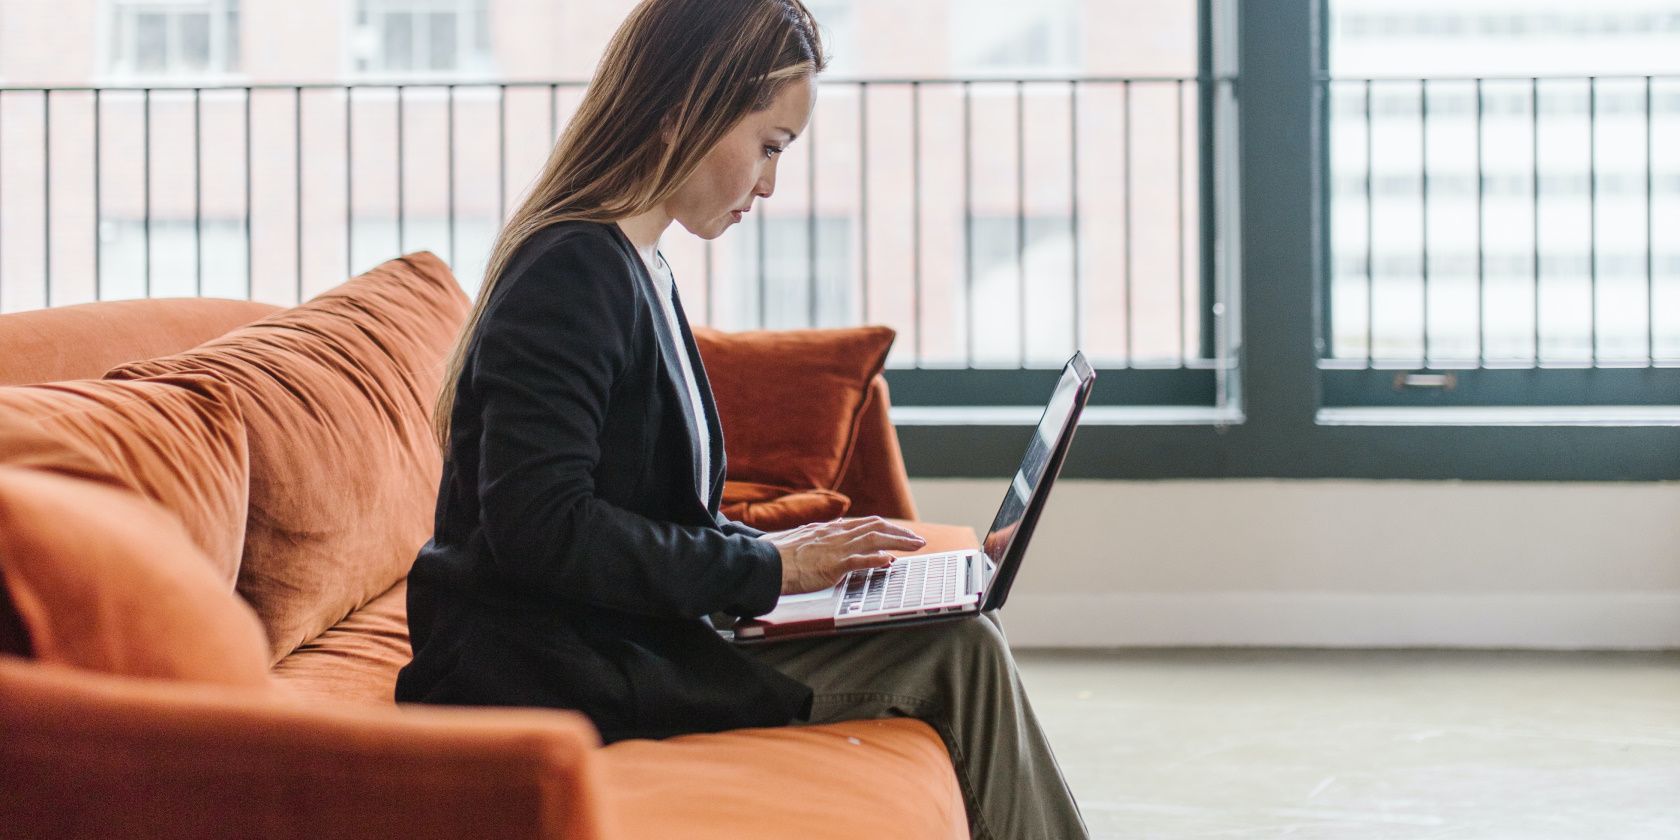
(1365, 744)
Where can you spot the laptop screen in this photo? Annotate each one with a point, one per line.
(1056, 417)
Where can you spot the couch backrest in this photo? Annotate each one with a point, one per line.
(875, 478)
(85, 340)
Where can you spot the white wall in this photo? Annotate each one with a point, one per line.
(1340, 563)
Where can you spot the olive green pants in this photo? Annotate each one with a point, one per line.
(958, 676)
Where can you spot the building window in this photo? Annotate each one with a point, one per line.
(1009, 38)
(172, 38)
(420, 38)
(837, 25)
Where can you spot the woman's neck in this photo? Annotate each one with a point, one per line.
(644, 231)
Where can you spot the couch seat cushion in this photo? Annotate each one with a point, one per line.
(866, 778)
(103, 579)
(789, 401)
(177, 440)
(337, 395)
(358, 658)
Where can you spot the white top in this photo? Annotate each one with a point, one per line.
(666, 283)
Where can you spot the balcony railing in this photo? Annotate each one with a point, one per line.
(1502, 240)
(997, 224)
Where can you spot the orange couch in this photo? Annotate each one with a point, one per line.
(314, 746)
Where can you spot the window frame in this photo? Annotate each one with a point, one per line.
(470, 63)
(223, 64)
(1280, 424)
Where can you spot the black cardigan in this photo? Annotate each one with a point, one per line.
(573, 563)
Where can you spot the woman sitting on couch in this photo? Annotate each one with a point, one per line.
(578, 552)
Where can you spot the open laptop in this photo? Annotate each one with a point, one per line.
(923, 588)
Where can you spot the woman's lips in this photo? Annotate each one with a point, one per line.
(736, 214)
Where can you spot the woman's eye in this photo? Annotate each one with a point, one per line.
(771, 150)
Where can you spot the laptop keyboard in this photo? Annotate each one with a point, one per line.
(908, 582)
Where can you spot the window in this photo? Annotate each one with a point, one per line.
(1006, 37)
(795, 285)
(409, 38)
(838, 29)
(165, 39)
(1495, 185)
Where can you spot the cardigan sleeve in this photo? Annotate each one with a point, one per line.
(548, 351)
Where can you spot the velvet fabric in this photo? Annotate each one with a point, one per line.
(356, 659)
(770, 508)
(84, 340)
(781, 782)
(177, 440)
(122, 759)
(337, 395)
(790, 400)
(103, 579)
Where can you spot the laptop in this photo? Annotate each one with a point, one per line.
(943, 586)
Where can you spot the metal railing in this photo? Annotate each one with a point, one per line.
(1501, 236)
(997, 223)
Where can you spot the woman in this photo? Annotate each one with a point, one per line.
(578, 552)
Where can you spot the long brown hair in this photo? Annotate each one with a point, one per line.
(692, 68)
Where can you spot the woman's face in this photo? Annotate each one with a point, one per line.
(742, 164)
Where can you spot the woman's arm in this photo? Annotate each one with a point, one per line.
(547, 355)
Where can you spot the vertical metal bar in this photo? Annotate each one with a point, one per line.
(249, 262)
(1021, 218)
(349, 184)
(297, 186)
(1423, 204)
(449, 153)
(1370, 241)
(758, 247)
(1481, 246)
(1592, 217)
(554, 123)
(916, 214)
(1073, 214)
(1534, 197)
(146, 185)
(863, 197)
(98, 241)
(198, 193)
(968, 221)
(810, 223)
(1126, 196)
(1206, 89)
(1650, 276)
(710, 292)
(401, 247)
(501, 152)
(1178, 205)
(46, 196)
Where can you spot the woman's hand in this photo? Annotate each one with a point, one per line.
(818, 555)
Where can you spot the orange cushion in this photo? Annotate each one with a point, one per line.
(865, 778)
(789, 401)
(84, 340)
(337, 396)
(103, 579)
(177, 440)
(770, 508)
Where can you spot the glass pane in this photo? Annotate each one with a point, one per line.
(441, 33)
(1501, 222)
(195, 42)
(398, 43)
(151, 42)
(233, 37)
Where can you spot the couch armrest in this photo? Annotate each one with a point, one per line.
(93, 755)
(875, 479)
